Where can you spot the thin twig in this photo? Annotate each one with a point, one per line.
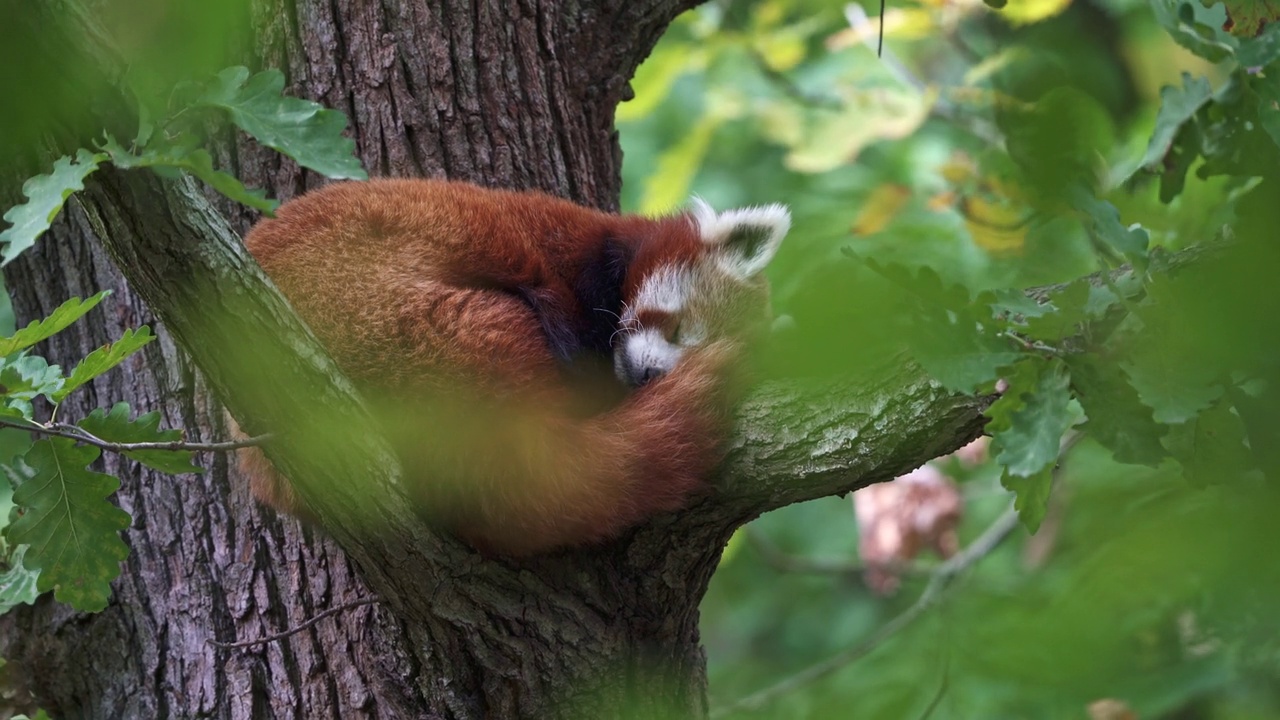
(73, 432)
(944, 684)
(1032, 345)
(782, 561)
(294, 630)
(939, 580)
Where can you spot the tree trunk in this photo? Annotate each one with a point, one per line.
(501, 93)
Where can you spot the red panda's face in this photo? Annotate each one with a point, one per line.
(718, 293)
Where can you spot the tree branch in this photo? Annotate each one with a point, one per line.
(73, 432)
(939, 582)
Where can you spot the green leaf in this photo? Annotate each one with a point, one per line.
(1102, 219)
(45, 197)
(103, 359)
(306, 131)
(1011, 303)
(1031, 496)
(1166, 364)
(1117, 419)
(18, 584)
(668, 187)
(1068, 314)
(72, 530)
(58, 320)
(1211, 446)
(1177, 106)
(196, 161)
(1026, 440)
(1268, 89)
(1196, 27)
(1260, 51)
(25, 377)
(117, 428)
(955, 348)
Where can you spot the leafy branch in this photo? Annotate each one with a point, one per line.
(303, 130)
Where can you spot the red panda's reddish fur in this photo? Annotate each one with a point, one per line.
(407, 284)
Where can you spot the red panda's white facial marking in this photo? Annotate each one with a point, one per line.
(717, 295)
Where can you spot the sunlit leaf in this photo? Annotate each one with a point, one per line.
(306, 131)
(72, 530)
(1025, 12)
(104, 358)
(198, 162)
(116, 427)
(23, 378)
(669, 185)
(837, 137)
(45, 197)
(66, 313)
(17, 584)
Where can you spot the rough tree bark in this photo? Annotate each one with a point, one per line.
(511, 94)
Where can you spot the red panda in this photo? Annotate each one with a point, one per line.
(464, 315)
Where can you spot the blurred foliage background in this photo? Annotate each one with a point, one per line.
(1149, 589)
(986, 151)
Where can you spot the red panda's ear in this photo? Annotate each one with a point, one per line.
(745, 239)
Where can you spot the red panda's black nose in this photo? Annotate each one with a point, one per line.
(650, 374)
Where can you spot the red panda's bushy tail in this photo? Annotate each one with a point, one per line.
(524, 480)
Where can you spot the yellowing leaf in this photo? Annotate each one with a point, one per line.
(899, 24)
(941, 201)
(869, 116)
(1247, 18)
(781, 122)
(768, 13)
(668, 187)
(958, 169)
(782, 50)
(995, 225)
(1025, 12)
(881, 207)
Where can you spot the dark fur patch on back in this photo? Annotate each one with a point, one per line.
(599, 291)
(560, 329)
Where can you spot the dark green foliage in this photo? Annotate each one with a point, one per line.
(116, 427)
(1151, 353)
(69, 529)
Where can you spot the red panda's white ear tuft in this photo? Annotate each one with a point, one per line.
(745, 239)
